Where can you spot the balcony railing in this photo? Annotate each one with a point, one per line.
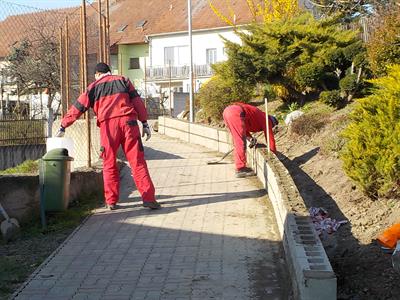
(177, 72)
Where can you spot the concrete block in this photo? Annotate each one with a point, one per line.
(182, 135)
(177, 124)
(224, 136)
(203, 131)
(203, 141)
(222, 147)
(161, 125)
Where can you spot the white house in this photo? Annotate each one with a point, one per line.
(169, 59)
(150, 42)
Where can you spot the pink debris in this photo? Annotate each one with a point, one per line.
(322, 222)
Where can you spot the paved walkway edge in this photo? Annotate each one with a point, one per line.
(311, 272)
(48, 259)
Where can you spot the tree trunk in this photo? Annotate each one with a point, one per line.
(351, 94)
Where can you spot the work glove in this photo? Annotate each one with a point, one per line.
(146, 131)
(60, 132)
(252, 142)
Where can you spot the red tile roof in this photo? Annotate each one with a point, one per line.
(158, 16)
(164, 16)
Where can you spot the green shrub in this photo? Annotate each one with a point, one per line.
(294, 54)
(335, 58)
(309, 76)
(213, 97)
(332, 98)
(348, 84)
(269, 92)
(331, 81)
(354, 50)
(293, 106)
(371, 155)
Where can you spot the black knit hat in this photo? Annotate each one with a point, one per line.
(274, 120)
(102, 68)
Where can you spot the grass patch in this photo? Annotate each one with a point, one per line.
(19, 258)
(27, 167)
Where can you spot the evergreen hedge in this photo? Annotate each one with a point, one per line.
(371, 155)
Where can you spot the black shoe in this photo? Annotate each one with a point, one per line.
(152, 204)
(244, 172)
(112, 206)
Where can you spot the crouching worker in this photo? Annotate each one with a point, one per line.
(117, 106)
(241, 119)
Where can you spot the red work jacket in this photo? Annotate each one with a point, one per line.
(255, 121)
(110, 96)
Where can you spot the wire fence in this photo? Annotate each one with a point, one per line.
(47, 58)
(22, 132)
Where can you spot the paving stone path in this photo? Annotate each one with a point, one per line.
(214, 238)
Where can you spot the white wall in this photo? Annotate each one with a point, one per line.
(200, 42)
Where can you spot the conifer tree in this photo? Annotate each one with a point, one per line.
(371, 156)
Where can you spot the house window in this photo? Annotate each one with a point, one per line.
(134, 63)
(211, 56)
(169, 56)
(176, 56)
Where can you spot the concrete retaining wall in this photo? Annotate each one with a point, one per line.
(19, 194)
(213, 138)
(11, 156)
(311, 272)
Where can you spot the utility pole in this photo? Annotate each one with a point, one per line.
(85, 79)
(107, 33)
(101, 34)
(62, 72)
(170, 94)
(66, 66)
(191, 104)
(267, 121)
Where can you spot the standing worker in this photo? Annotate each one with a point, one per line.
(117, 106)
(241, 119)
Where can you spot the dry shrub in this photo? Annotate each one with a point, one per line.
(309, 124)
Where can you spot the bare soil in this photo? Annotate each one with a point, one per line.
(362, 269)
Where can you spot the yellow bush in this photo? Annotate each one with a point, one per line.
(371, 155)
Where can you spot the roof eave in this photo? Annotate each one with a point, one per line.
(196, 30)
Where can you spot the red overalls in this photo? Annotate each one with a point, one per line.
(117, 106)
(241, 119)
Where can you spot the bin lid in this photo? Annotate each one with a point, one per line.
(57, 154)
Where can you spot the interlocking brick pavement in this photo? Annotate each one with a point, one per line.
(214, 238)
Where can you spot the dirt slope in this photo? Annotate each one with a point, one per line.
(363, 270)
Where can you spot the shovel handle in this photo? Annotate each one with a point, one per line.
(3, 212)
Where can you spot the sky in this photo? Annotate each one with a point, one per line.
(47, 4)
(16, 7)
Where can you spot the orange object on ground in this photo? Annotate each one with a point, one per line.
(390, 236)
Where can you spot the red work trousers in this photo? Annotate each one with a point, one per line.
(124, 131)
(234, 119)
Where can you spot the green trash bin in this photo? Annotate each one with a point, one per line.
(55, 175)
